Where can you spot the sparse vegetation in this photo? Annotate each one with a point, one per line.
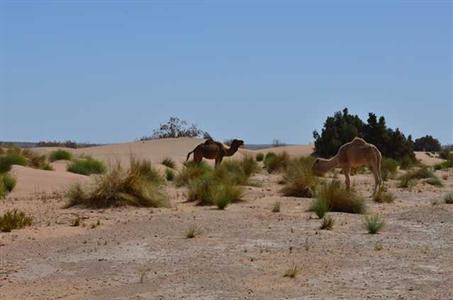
(389, 168)
(137, 187)
(292, 272)
(259, 157)
(8, 181)
(192, 231)
(175, 128)
(276, 162)
(86, 166)
(168, 162)
(332, 196)
(299, 178)
(383, 196)
(60, 154)
(191, 171)
(435, 181)
(373, 223)
(327, 223)
(11, 158)
(169, 174)
(448, 198)
(14, 219)
(276, 207)
(413, 175)
(209, 190)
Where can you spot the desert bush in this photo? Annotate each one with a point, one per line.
(448, 198)
(276, 207)
(373, 223)
(168, 162)
(86, 166)
(383, 196)
(337, 198)
(9, 182)
(389, 168)
(191, 171)
(208, 190)
(407, 162)
(119, 187)
(11, 158)
(299, 178)
(414, 175)
(145, 170)
(444, 165)
(60, 154)
(237, 171)
(169, 174)
(259, 157)
(14, 219)
(327, 223)
(175, 128)
(275, 162)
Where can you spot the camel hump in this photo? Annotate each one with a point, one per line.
(358, 140)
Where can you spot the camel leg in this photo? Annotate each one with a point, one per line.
(218, 161)
(197, 157)
(347, 173)
(377, 178)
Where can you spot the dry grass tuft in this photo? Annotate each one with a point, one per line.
(138, 186)
(299, 178)
(14, 219)
(383, 196)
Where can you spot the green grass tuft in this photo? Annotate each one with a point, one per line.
(259, 157)
(389, 168)
(137, 187)
(86, 166)
(383, 196)
(191, 171)
(373, 223)
(60, 155)
(11, 158)
(332, 196)
(274, 163)
(299, 179)
(169, 174)
(414, 175)
(14, 219)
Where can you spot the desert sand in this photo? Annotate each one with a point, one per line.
(241, 252)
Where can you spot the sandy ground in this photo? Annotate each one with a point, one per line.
(240, 253)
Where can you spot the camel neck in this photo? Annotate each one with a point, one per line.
(230, 151)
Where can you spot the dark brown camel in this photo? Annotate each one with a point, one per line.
(214, 150)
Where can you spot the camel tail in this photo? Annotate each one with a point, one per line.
(188, 155)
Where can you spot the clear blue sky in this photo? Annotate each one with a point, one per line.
(111, 71)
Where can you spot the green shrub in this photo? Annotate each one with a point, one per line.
(60, 155)
(14, 219)
(389, 168)
(11, 158)
(413, 175)
(9, 182)
(119, 187)
(337, 198)
(169, 174)
(299, 178)
(448, 198)
(373, 223)
(276, 162)
(86, 166)
(259, 157)
(208, 190)
(383, 196)
(168, 162)
(406, 163)
(191, 171)
(444, 165)
(327, 223)
(320, 207)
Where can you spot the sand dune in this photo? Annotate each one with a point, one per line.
(31, 181)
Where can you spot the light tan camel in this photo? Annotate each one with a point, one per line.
(353, 154)
(214, 150)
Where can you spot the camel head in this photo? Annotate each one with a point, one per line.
(236, 143)
(317, 168)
